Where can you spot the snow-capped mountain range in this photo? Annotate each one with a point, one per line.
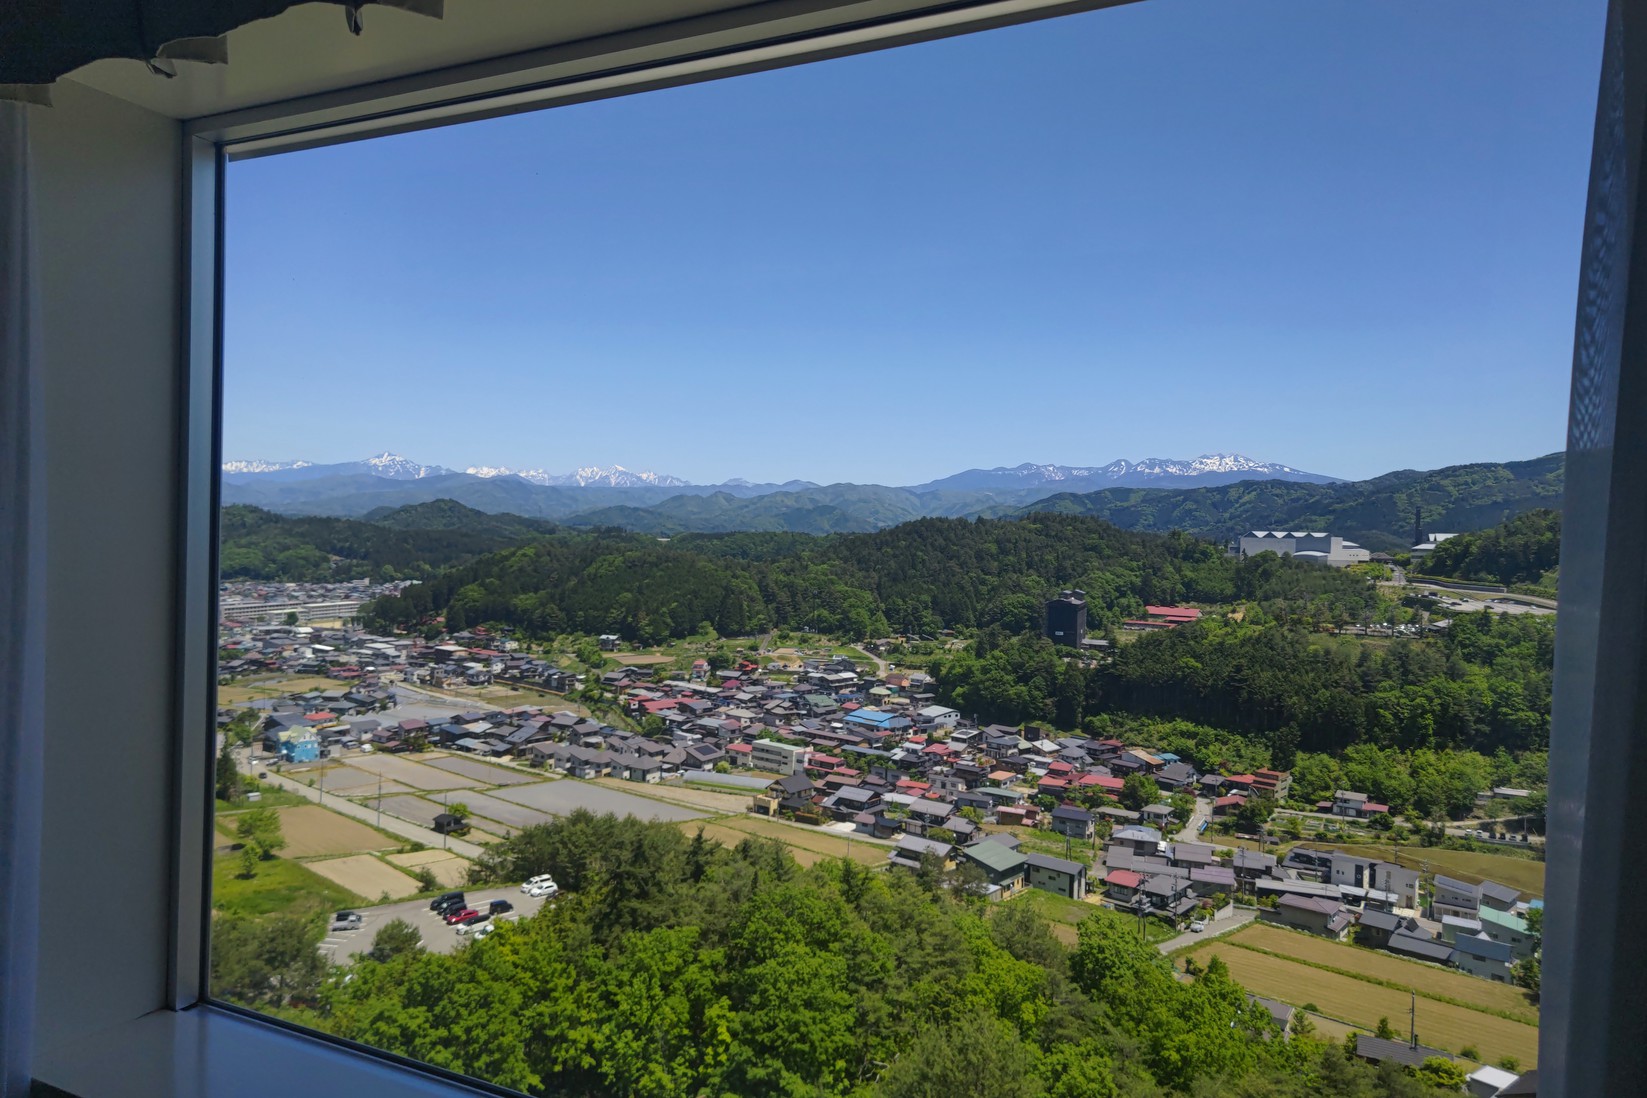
(614, 477)
(1208, 469)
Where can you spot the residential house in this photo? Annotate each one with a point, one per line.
(1176, 776)
(1510, 930)
(1453, 897)
(1367, 875)
(1250, 865)
(1408, 1053)
(1499, 897)
(1057, 875)
(1123, 885)
(1003, 866)
(1156, 815)
(910, 848)
(1375, 927)
(1480, 956)
(1212, 879)
(1138, 840)
(1275, 784)
(1353, 805)
(1315, 914)
(1419, 946)
(1075, 823)
(1280, 1013)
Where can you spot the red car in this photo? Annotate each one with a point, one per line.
(455, 917)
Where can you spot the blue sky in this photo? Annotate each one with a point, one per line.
(1340, 235)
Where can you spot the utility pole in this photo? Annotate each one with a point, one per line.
(380, 800)
(1412, 1018)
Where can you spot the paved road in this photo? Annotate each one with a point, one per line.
(340, 945)
(392, 824)
(1214, 930)
(1191, 832)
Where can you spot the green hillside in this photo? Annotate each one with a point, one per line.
(1377, 513)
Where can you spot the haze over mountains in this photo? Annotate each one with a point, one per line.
(1216, 495)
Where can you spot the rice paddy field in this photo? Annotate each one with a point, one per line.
(1360, 1003)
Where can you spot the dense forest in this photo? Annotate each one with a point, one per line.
(1524, 551)
(1379, 513)
(677, 967)
(410, 543)
(921, 577)
(1280, 687)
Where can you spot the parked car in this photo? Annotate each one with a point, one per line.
(549, 888)
(533, 882)
(475, 920)
(1198, 926)
(498, 907)
(480, 931)
(444, 899)
(458, 915)
(347, 920)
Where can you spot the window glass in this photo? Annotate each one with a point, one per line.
(1018, 565)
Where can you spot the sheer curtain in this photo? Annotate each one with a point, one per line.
(22, 606)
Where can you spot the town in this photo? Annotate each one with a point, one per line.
(823, 750)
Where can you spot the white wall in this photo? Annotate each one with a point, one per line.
(107, 178)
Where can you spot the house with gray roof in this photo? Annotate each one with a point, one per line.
(1377, 1050)
(1066, 878)
(1420, 947)
(907, 854)
(1315, 914)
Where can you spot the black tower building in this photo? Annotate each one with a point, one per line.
(1067, 618)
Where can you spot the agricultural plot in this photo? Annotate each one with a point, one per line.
(485, 773)
(707, 799)
(414, 774)
(1425, 979)
(365, 875)
(449, 869)
(311, 830)
(504, 812)
(1362, 1004)
(564, 797)
(410, 808)
(346, 781)
(808, 844)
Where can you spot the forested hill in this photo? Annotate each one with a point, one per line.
(411, 542)
(1523, 551)
(1377, 513)
(676, 966)
(920, 577)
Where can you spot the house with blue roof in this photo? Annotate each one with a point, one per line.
(1480, 956)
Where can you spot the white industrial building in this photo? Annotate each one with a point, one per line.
(779, 758)
(1318, 546)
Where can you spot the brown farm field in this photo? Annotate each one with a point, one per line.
(272, 687)
(640, 659)
(1362, 1004)
(310, 830)
(365, 875)
(1425, 979)
(808, 844)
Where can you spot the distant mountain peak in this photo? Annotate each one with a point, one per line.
(1160, 472)
(254, 466)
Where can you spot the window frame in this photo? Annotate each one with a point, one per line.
(752, 39)
(1586, 1025)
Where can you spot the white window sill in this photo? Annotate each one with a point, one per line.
(207, 1052)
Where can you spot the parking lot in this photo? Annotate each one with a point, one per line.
(341, 945)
